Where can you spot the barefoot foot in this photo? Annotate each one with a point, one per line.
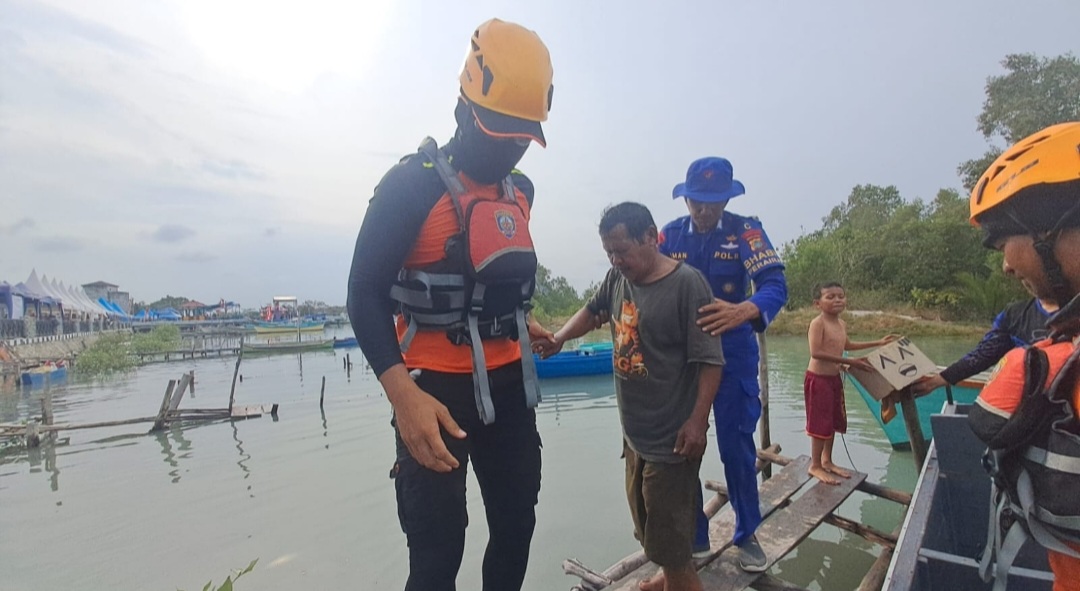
(653, 583)
(834, 469)
(823, 475)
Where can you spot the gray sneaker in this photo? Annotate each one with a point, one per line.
(752, 558)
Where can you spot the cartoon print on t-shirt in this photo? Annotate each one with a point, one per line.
(629, 362)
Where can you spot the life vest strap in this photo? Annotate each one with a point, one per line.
(481, 381)
(528, 365)
(1053, 461)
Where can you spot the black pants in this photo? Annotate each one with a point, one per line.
(506, 457)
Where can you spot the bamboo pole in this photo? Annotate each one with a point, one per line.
(875, 577)
(864, 531)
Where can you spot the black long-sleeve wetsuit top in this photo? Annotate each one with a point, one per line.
(1019, 324)
(395, 215)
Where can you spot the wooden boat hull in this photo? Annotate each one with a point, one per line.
(587, 360)
(37, 379)
(943, 534)
(963, 393)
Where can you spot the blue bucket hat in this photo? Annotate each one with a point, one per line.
(709, 180)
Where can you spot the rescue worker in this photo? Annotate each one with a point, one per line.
(1020, 323)
(1028, 206)
(445, 252)
(733, 252)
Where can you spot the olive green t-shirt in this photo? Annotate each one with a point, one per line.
(658, 352)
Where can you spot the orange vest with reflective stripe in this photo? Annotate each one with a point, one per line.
(431, 349)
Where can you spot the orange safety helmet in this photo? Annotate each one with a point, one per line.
(1049, 157)
(507, 80)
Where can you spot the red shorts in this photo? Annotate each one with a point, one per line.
(826, 414)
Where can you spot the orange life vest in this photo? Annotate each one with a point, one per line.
(464, 289)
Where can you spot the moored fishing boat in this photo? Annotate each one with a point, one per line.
(586, 360)
(345, 343)
(41, 375)
(964, 392)
(288, 327)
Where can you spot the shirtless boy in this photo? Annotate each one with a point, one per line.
(823, 389)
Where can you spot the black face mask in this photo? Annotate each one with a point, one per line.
(485, 159)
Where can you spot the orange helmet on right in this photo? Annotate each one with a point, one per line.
(1040, 161)
(1033, 189)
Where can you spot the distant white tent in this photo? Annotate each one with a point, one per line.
(51, 290)
(81, 297)
(76, 303)
(37, 288)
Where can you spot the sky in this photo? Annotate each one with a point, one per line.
(228, 148)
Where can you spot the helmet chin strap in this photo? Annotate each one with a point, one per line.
(1044, 244)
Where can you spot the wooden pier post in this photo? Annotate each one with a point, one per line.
(765, 435)
(236, 371)
(914, 428)
(322, 391)
(159, 420)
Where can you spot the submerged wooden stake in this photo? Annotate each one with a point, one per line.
(322, 391)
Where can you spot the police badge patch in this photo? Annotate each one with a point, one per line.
(755, 239)
(506, 223)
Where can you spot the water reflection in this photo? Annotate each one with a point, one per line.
(46, 453)
(825, 564)
(176, 433)
(244, 456)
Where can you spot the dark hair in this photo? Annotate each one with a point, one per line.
(820, 287)
(634, 216)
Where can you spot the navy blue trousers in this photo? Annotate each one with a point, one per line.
(736, 410)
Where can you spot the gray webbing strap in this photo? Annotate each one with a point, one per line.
(993, 534)
(481, 383)
(528, 365)
(1026, 493)
(415, 298)
(410, 332)
(508, 189)
(432, 279)
(449, 176)
(1053, 461)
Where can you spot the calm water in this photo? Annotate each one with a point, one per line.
(308, 494)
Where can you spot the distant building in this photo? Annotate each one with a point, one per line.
(122, 299)
(110, 292)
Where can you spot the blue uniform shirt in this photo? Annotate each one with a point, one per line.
(731, 256)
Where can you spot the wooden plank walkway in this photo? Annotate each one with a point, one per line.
(780, 533)
(773, 493)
